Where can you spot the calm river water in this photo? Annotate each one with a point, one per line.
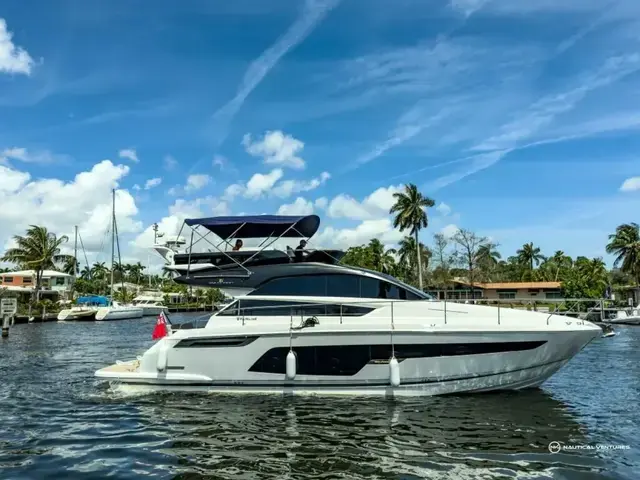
(56, 421)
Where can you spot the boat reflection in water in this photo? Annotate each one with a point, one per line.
(462, 436)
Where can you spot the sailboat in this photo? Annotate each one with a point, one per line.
(115, 311)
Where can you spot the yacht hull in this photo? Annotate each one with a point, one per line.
(77, 314)
(217, 369)
(153, 310)
(118, 313)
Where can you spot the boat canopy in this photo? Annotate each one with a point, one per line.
(93, 300)
(259, 226)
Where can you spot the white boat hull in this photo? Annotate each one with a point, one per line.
(77, 313)
(629, 320)
(118, 313)
(153, 310)
(215, 368)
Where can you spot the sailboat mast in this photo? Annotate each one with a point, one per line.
(113, 239)
(75, 255)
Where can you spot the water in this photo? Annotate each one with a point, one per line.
(56, 421)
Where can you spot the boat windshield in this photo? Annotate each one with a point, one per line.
(394, 280)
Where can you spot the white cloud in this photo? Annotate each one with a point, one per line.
(286, 188)
(470, 166)
(136, 187)
(178, 212)
(13, 59)
(260, 183)
(21, 154)
(312, 13)
(232, 191)
(196, 182)
(276, 148)
(381, 229)
(59, 205)
(299, 207)
(129, 154)
(169, 162)
(321, 203)
(630, 185)
(450, 230)
(443, 208)
(374, 206)
(542, 112)
(152, 182)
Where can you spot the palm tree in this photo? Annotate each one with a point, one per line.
(38, 250)
(135, 271)
(410, 213)
(86, 272)
(71, 266)
(560, 261)
(528, 255)
(625, 245)
(407, 257)
(487, 258)
(381, 260)
(594, 271)
(99, 270)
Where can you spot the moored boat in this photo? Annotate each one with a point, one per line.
(312, 327)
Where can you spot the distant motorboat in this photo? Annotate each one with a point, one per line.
(625, 317)
(151, 303)
(119, 312)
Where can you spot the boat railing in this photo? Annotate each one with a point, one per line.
(300, 312)
(305, 310)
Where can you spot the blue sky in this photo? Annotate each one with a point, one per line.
(519, 118)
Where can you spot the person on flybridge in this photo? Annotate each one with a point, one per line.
(300, 251)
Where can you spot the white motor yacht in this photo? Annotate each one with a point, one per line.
(115, 311)
(630, 316)
(151, 303)
(322, 328)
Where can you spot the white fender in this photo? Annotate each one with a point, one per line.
(394, 372)
(163, 353)
(291, 365)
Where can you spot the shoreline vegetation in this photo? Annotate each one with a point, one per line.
(464, 256)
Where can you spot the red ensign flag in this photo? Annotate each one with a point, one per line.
(160, 330)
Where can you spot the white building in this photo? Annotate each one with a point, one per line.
(53, 282)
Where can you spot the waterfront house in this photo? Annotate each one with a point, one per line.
(53, 282)
(461, 290)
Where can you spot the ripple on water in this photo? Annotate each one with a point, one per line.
(58, 421)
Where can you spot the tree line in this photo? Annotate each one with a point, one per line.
(466, 254)
(476, 259)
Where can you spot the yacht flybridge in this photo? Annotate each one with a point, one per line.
(318, 327)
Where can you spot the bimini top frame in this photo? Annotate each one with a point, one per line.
(269, 227)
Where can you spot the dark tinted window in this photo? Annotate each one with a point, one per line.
(343, 286)
(263, 308)
(231, 310)
(313, 285)
(347, 310)
(339, 285)
(350, 359)
(371, 288)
